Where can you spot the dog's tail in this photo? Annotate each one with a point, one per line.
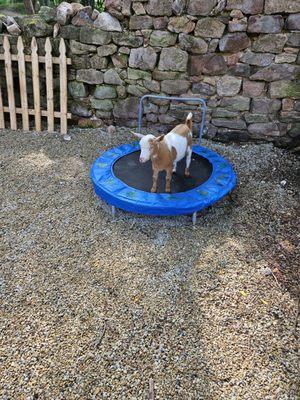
(189, 121)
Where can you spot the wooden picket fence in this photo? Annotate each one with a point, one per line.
(35, 59)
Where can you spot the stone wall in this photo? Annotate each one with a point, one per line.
(242, 56)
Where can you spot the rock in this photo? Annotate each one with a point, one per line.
(121, 91)
(265, 24)
(231, 135)
(163, 75)
(275, 72)
(80, 62)
(90, 123)
(175, 87)
(166, 119)
(252, 88)
(293, 22)
(229, 123)
(284, 88)
(178, 6)
(112, 77)
(162, 39)
(266, 271)
(238, 25)
(69, 32)
(191, 44)
(223, 113)
(90, 76)
(234, 42)
(80, 108)
(159, 7)
(237, 103)
(105, 92)
(127, 39)
(150, 108)
(63, 13)
(254, 118)
(233, 59)
(173, 59)
(153, 86)
(107, 50)
(213, 44)
(246, 6)
(35, 26)
(77, 89)
(14, 29)
(285, 58)
(260, 59)
(48, 14)
(282, 6)
(56, 29)
(181, 24)
(75, 8)
(83, 17)
(126, 109)
(106, 22)
(151, 117)
(95, 14)
(209, 28)
(265, 106)
(138, 8)
(137, 74)
(260, 130)
(209, 64)
(103, 105)
(92, 35)
(237, 14)
(98, 62)
(228, 86)
(136, 90)
(160, 22)
(140, 22)
(111, 129)
(271, 43)
(287, 104)
(294, 40)
(120, 60)
(66, 138)
(81, 48)
(143, 58)
(124, 50)
(201, 7)
(240, 69)
(203, 89)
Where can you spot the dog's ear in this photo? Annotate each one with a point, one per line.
(139, 135)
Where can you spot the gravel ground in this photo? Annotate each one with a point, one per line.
(95, 309)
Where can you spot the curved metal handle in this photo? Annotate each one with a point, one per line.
(197, 99)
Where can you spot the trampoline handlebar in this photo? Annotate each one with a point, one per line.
(196, 99)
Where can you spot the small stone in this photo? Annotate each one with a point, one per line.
(191, 44)
(69, 32)
(136, 90)
(223, 113)
(246, 6)
(111, 129)
(285, 58)
(103, 105)
(120, 60)
(47, 13)
(285, 88)
(83, 17)
(283, 183)
(199, 7)
(228, 86)
(90, 123)
(238, 25)
(92, 35)
(173, 59)
(293, 22)
(137, 74)
(162, 39)
(294, 40)
(270, 43)
(14, 30)
(260, 59)
(140, 22)
(234, 42)
(63, 13)
(181, 24)
(90, 76)
(287, 104)
(159, 7)
(264, 130)
(112, 77)
(105, 92)
(237, 103)
(160, 22)
(138, 8)
(95, 14)
(163, 75)
(175, 87)
(98, 62)
(34, 26)
(265, 24)
(240, 69)
(178, 6)
(254, 118)
(127, 39)
(203, 88)
(77, 89)
(80, 107)
(252, 88)
(209, 28)
(106, 22)
(276, 72)
(143, 58)
(81, 48)
(266, 271)
(265, 106)
(229, 123)
(67, 138)
(237, 14)
(126, 109)
(209, 64)
(282, 6)
(106, 50)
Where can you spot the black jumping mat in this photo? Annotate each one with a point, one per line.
(139, 176)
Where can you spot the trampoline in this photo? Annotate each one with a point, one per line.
(123, 182)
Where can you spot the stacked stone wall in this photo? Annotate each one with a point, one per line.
(242, 56)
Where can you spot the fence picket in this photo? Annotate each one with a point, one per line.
(49, 85)
(10, 84)
(22, 80)
(63, 87)
(2, 124)
(36, 84)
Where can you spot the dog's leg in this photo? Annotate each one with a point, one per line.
(188, 161)
(154, 182)
(168, 180)
(174, 166)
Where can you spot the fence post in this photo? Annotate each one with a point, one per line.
(2, 124)
(22, 80)
(10, 84)
(63, 86)
(49, 85)
(36, 84)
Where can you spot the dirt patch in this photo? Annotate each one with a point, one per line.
(93, 308)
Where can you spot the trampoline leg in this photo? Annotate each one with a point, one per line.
(194, 218)
(113, 211)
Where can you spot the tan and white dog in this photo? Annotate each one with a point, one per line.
(166, 150)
